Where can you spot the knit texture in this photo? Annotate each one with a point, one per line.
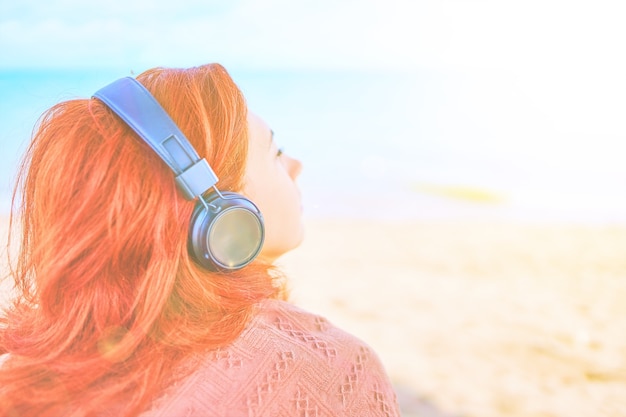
(287, 362)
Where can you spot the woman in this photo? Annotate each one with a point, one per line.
(115, 313)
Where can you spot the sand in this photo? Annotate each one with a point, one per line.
(476, 318)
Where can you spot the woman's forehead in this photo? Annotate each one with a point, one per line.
(259, 129)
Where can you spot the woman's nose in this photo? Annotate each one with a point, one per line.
(294, 167)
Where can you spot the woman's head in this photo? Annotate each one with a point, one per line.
(269, 175)
(95, 192)
(104, 270)
(224, 232)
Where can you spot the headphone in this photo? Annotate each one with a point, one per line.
(226, 231)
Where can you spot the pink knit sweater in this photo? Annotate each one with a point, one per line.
(287, 362)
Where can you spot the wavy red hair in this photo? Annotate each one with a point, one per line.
(109, 300)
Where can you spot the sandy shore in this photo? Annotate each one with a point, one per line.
(477, 319)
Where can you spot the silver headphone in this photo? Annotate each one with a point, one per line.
(226, 231)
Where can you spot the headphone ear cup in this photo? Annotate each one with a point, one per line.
(227, 236)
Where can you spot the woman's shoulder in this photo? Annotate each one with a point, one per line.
(299, 328)
(285, 362)
(288, 328)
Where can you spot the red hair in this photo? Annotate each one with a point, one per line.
(109, 300)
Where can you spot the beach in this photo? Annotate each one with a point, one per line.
(476, 318)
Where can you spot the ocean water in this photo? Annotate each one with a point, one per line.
(390, 145)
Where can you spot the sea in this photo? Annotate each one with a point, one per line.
(389, 145)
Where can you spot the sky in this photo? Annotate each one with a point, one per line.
(524, 36)
(558, 52)
(548, 75)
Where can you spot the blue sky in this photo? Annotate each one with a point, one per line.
(566, 57)
(560, 53)
(523, 36)
(547, 75)
(251, 33)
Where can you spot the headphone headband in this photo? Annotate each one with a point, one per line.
(134, 104)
